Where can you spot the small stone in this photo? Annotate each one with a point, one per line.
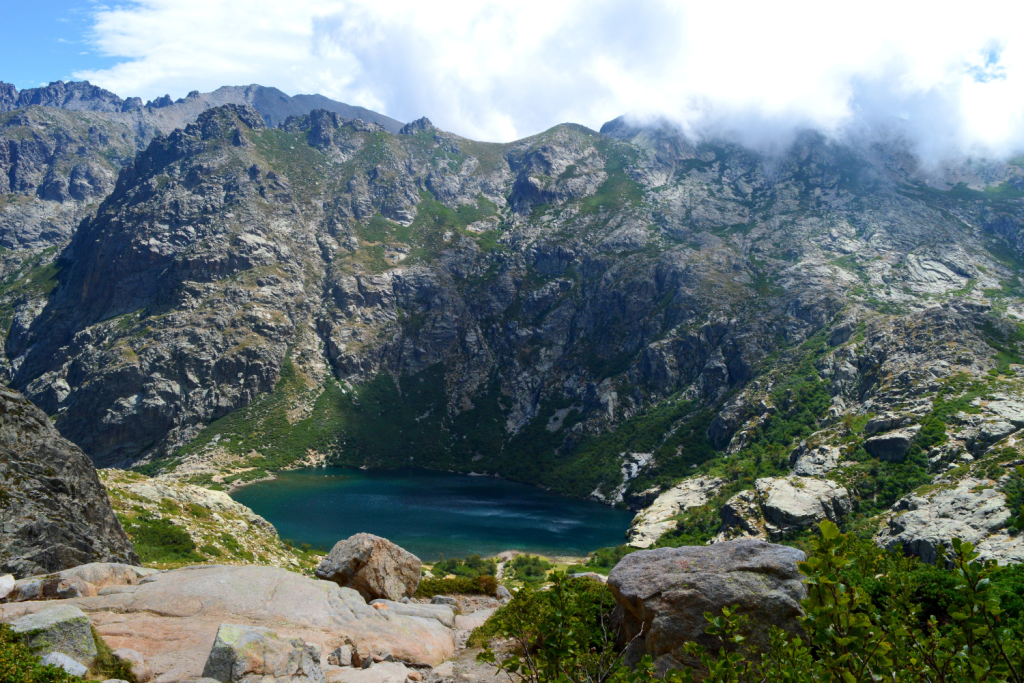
(62, 661)
(140, 668)
(446, 670)
(444, 600)
(341, 656)
(6, 585)
(415, 676)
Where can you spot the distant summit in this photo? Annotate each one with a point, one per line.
(272, 104)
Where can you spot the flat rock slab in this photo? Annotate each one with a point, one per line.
(442, 613)
(468, 622)
(382, 672)
(173, 617)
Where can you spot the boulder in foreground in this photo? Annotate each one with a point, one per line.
(248, 654)
(372, 565)
(664, 593)
(64, 629)
(57, 514)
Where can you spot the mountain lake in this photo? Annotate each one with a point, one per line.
(430, 513)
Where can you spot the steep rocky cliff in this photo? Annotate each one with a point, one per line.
(54, 513)
(61, 148)
(601, 313)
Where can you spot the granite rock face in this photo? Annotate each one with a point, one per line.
(55, 512)
(781, 505)
(373, 566)
(814, 461)
(654, 520)
(664, 593)
(972, 510)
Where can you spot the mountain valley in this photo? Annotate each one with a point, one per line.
(209, 291)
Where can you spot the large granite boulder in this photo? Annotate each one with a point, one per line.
(54, 511)
(58, 628)
(372, 565)
(972, 510)
(664, 593)
(892, 446)
(248, 654)
(172, 618)
(654, 520)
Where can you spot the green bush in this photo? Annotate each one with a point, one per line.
(157, 540)
(870, 615)
(471, 567)
(602, 560)
(529, 569)
(17, 663)
(461, 585)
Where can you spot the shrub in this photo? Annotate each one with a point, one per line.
(528, 569)
(472, 567)
(870, 615)
(157, 540)
(17, 663)
(482, 585)
(602, 560)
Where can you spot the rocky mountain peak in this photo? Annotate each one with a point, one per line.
(419, 125)
(74, 95)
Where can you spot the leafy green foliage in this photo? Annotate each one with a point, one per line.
(158, 540)
(1013, 489)
(472, 567)
(563, 634)
(529, 569)
(17, 663)
(602, 560)
(484, 584)
(870, 615)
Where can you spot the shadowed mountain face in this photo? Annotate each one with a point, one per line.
(601, 313)
(55, 513)
(61, 147)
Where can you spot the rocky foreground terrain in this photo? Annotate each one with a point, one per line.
(747, 343)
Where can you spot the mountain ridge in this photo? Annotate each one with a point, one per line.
(603, 314)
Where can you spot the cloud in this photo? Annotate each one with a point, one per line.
(952, 82)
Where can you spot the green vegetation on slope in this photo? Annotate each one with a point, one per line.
(870, 615)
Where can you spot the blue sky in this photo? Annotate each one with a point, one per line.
(950, 81)
(46, 41)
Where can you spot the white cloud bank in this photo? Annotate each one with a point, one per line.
(951, 79)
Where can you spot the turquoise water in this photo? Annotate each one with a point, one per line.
(432, 512)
